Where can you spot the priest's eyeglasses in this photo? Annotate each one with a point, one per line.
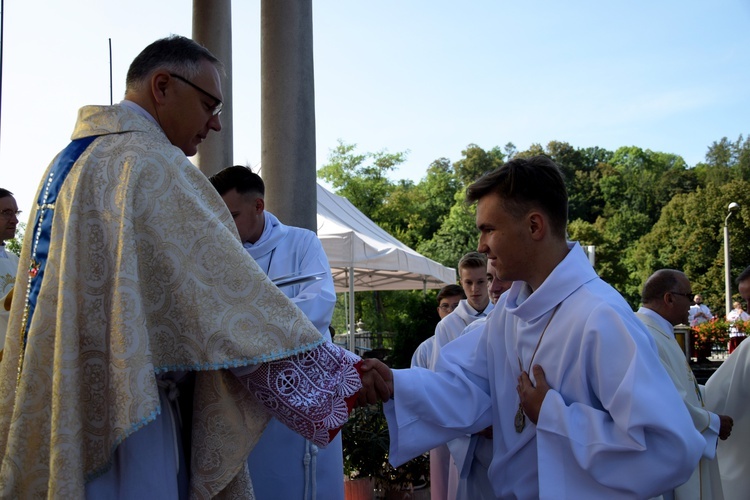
(8, 213)
(217, 107)
(689, 295)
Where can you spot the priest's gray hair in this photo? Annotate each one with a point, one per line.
(176, 54)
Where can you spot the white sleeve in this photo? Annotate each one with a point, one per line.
(424, 412)
(638, 422)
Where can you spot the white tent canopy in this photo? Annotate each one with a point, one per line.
(364, 257)
(379, 261)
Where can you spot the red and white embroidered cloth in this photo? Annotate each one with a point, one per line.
(311, 393)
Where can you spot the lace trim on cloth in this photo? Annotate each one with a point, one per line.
(307, 392)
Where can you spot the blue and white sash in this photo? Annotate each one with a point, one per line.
(43, 225)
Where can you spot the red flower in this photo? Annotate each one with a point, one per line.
(712, 332)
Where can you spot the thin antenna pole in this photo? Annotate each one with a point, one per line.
(110, 71)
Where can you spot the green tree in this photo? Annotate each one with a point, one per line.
(361, 178)
(476, 162)
(643, 181)
(457, 232)
(439, 186)
(414, 322)
(414, 212)
(722, 154)
(581, 169)
(456, 236)
(726, 161)
(608, 263)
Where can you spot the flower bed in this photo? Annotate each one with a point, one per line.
(709, 333)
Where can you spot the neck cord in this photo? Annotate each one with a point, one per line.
(520, 420)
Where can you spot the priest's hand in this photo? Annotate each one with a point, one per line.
(532, 397)
(377, 382)
(725, 426)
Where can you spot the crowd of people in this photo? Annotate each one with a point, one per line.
(149, 352)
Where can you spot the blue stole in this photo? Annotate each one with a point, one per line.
(43, 224)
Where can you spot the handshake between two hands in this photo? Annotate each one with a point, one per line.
(377, 382)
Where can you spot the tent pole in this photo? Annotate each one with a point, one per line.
(346, 314)
(351, 310)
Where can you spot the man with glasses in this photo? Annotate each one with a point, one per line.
(8, 260)
(448, 299)
(666, 299)
(137, 278)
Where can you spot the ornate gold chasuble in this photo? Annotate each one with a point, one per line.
(145, 275)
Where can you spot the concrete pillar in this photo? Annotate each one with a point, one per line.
(288, 111)
(212, 28)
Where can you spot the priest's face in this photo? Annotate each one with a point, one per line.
(8, 218)
(187, 115)
(247, 211)
(681, 302)
(505, 239)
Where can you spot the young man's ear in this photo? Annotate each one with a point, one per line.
(537, 225)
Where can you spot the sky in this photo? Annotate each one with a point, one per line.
(427, 77)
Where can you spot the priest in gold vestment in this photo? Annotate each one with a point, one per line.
(137, 277)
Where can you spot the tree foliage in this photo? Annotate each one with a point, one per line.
(362, 178)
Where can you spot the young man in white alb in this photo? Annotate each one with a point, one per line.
(564, 372)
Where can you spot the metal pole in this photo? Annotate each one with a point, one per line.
(727, 279)
(591, 252)
(110, 73)
(352, 330)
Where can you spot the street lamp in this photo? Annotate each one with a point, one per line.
(727, 278)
